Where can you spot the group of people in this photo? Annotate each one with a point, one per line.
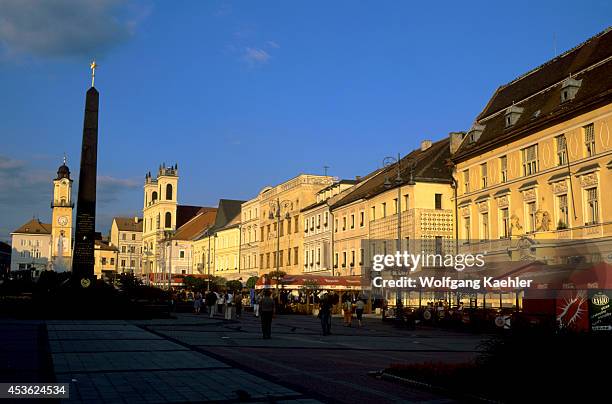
(264, 307)
(225, 303)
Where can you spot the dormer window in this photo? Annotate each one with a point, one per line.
(474, 133)
(512, 115)
(569, 88)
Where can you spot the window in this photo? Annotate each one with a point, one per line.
(352, 221)
(343, 259)
(296, 251)
(282, 228)
(169, 192)
(361, 252)
(483, 175)
(318, 221)
(592, 206)
(122, 263)
(530, 160)
(288, 226)
(336, 260)
(289, 256)
(505, 223)
(336, 226)
(361, 219)
(373, 215)
(281, 253)
(561, 150)
(112, 261)
(589, 139)
(344, 223)
(158, 221)
(182, 254)
(395, 206)
(262, 234)
(168, 221)
(439, 244)
(267, 260)
(326, 219)
(296, 225)
(563, 219)
(485, 226)
(438, 201)
(406, 200)
(352, 258)
(261, 260)
(531, 215)
(133, 237)
(123, 236)
(466, 181)
(503, 168)
(132, 263)
(103, 260)
(384, 209)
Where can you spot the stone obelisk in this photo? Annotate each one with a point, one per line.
(83, 254)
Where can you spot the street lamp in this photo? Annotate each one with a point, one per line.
(387, 162)
(276, 211)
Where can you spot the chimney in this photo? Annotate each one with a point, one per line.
(136, 219)
(425, 144)
(455, 140)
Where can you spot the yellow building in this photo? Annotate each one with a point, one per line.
(249, 239)
(163, 218)
(536, 163)
(216, 250)
(227, 251)
(61, 219)
(369, 211)
(105, 260)
(318, 228)
(126, 237)
(281, 223)
(47, 246)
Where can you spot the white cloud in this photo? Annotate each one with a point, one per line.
(256, 56)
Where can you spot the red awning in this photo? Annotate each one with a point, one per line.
(322, 282)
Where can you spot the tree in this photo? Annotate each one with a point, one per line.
(250, 283)
(234, 285)
(195, 283)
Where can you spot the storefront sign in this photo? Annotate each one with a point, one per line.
(600, 310)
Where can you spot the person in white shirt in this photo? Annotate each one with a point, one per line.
(229, 297)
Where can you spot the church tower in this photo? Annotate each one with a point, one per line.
(159, 213)
(61, 225)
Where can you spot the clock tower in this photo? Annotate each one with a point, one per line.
(61, 225)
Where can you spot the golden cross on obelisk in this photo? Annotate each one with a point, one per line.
(93, 67)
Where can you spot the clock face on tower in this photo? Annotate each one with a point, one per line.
(62, 220)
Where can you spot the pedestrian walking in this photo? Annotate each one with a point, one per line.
(325, 307)
(220, 302)
(347, 309)
(256, 302)
(197, 303)
(229, 303)
(267, 311)
(359, 306)
(238, 303)
(211, 300)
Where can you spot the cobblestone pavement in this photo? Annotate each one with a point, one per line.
(120, 361)
(332, 368)
(194, 359)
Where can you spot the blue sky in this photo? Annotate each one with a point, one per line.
(242, 94)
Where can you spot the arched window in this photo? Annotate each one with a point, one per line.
(154, 196)
(169, 192)
(168, 221)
